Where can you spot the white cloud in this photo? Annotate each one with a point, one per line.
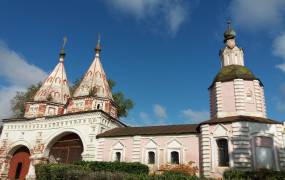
(159, 111)
(16, 70)
(280, 100)
(264, 15)
(171, 14)
(144, 116)
(18, 73)
(257, 14)
(195, 116)
(279, 50)
(6, 94)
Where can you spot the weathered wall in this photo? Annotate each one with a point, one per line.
(135, 149)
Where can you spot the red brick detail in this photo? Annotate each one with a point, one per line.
(60, 110)
(19, 157)
(27, 107)
(107, 107)
(88, 104)
(42, 109)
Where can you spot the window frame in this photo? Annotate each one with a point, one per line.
(149, 159)
(178, 161)
(118, 158)
(273, 151)
(225, 160)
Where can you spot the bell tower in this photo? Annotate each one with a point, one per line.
(235, 90)
(231, 54)
(93, 92)
(54, 93)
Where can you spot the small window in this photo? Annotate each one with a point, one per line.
(174, 157)
(118, 156)
(151, 157)
(98, 106)
(223, 153)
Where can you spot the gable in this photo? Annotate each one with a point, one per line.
(151, 144)
(220, 130)
(174, 144)
(118, 145)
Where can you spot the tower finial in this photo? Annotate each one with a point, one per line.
(62, 53)
(229, 33)
(229, 22)
(98, 46)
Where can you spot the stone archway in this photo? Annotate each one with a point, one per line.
(19, 163)
(66, 148)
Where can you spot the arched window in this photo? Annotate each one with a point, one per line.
(118, 156)
(151, 157)
(264, 154)
(223, 152)
(174, 157)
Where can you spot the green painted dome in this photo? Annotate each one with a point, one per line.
(232, 72)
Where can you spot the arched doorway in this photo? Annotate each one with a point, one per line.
(19, 163)
(66, 149)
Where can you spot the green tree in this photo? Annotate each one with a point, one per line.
(18, 102)
(124, 104)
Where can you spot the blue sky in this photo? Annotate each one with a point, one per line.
(163, 54)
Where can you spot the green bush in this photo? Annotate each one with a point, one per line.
(60, 171)
(131, 168)
(234, 174)
(264, 174)
(103, 171)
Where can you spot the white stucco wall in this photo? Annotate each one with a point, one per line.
(40, 134)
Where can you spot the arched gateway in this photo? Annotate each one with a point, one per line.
(19, 163)
(66, 148)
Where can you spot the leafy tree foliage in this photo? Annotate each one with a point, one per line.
(18, 102)
(124, 104)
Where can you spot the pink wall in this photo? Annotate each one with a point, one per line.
(188, 146)
(228, 97)
(250, 105)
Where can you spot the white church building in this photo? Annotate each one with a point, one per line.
(63, 127)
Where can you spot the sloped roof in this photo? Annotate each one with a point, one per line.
(179, 129)
(55, 88)
(231, 119)
(94, 78)
(151, 130)
(231, 72)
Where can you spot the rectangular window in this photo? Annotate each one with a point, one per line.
(264, 158)
(223, 153)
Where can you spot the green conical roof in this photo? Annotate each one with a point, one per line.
(231, 72)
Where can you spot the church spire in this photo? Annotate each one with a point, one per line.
(98, 46)
(62, 52)
(55, 88)
(94, 82)
(231, 54)
(229, 33)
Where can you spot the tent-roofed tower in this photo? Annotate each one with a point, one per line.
(93, 91)
(52, 96)
(235, 90)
